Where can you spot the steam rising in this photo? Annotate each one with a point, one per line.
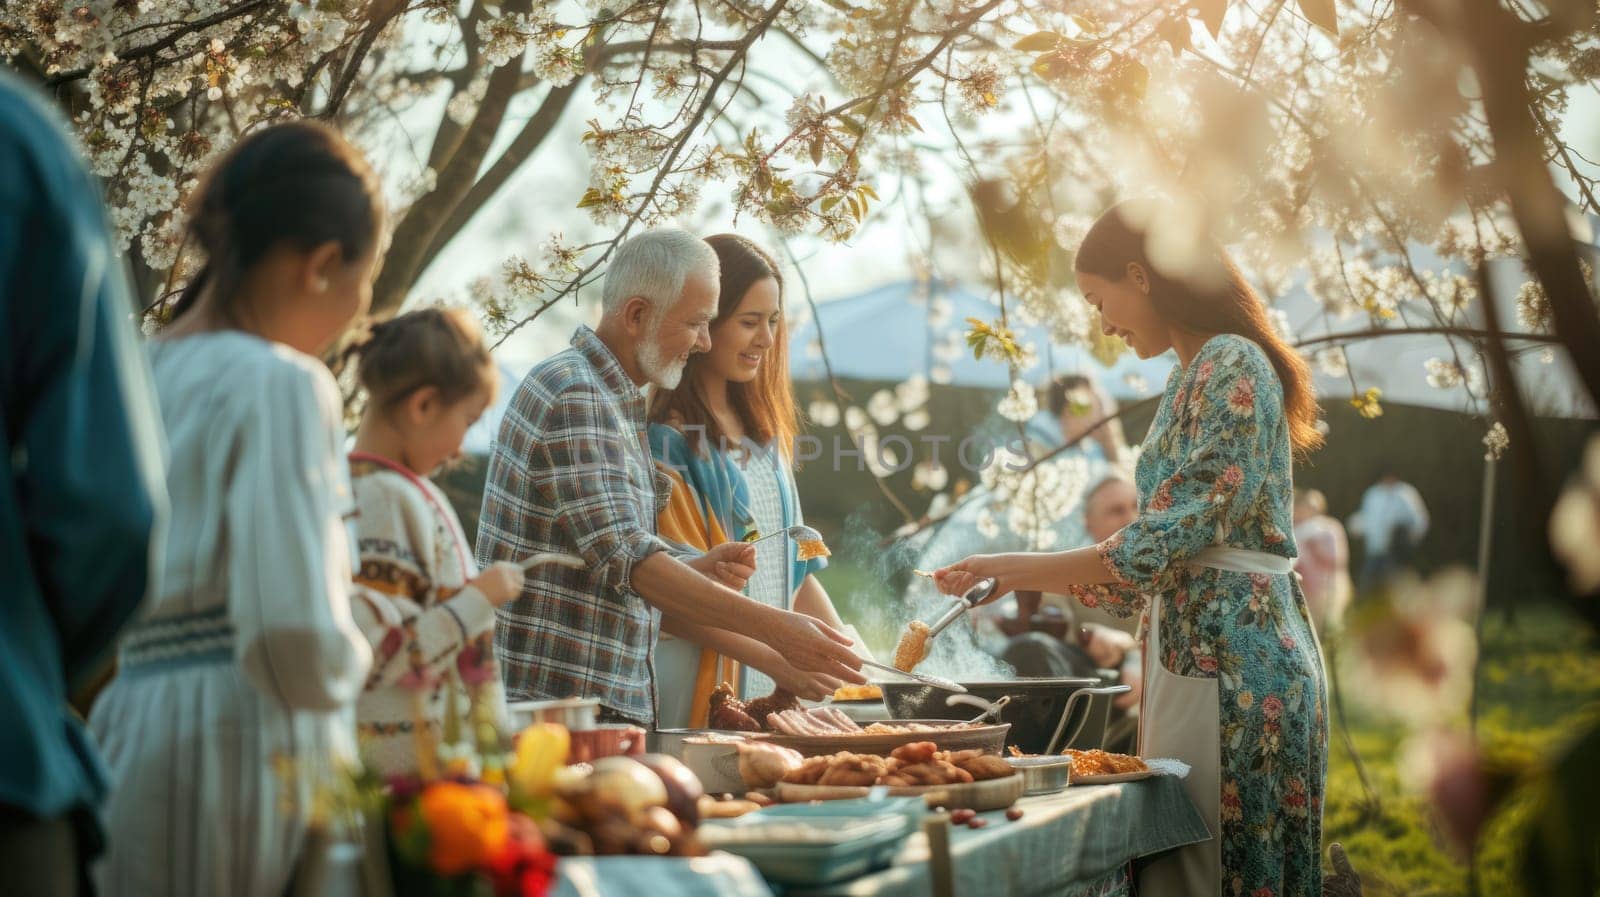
(883, 612)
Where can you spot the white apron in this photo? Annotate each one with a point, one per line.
(1178, 717)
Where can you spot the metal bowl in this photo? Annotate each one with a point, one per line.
(1035, 710)
(1043, 775)
(577, 714)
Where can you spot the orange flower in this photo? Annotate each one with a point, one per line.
(467, 825)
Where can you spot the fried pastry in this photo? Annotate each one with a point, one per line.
(913, 646)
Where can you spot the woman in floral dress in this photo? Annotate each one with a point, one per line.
(1234, 677)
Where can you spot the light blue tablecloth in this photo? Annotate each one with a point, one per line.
(1077, 841)
(718, 875)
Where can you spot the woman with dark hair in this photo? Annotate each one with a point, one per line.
(232, 708)
(726, 436)
(1233, 679)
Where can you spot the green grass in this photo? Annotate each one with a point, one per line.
(1540, 679)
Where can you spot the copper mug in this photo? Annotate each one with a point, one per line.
(608, 740)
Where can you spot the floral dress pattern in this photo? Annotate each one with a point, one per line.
(1215, 471)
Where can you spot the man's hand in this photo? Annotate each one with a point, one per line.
(731, 564)
(814, 648)
(810, 686)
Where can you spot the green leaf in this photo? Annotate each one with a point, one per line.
(828, 202)
(852, 126)
(1175, 31)
(1322, 14)
(1039, 42)
(1211, 13)
(816, 150)
(591, 197)
(867, 189)
(1084, 25)
(1132, 78)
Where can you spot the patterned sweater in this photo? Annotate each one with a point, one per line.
(431, 634)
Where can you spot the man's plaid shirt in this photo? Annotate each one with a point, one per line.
(571, 471)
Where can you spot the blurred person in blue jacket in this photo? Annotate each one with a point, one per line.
(83, 498)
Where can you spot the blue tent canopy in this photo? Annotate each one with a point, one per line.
(896, 330)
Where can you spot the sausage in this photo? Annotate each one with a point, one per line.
(844, 719)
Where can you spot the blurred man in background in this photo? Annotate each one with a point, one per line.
(1391, 523)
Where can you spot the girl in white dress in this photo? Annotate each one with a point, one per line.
(232, 708)
(427, 612)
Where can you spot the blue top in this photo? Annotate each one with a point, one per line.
(85, 484)
(723, 492)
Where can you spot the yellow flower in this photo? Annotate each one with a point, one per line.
(1246, 700)
(1367, 403)
(541, 750)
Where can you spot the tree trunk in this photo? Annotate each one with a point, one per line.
(404, 261)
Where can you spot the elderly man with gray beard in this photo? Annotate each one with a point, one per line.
(571, 472)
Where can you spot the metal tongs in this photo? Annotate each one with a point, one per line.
(924, 678)
(975, 596)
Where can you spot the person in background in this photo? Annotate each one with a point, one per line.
(571, 472)
(1094, 640)
(232, 709)
(726, 437)
(1075, 402)
(1391, 523)
(83, 497)
(1324, 562)
(427, 611)
(1109, 505)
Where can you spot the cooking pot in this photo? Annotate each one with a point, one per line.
(1046, 714)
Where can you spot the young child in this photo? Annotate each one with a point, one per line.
(426, 609)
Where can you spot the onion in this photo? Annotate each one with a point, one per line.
(683, 786)
(628, 782)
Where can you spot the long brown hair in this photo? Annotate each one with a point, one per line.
(299, 182)
(765, 406)
(1220, 303)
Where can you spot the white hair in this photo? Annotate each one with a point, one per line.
(655, 265)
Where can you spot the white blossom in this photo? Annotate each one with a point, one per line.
(1020, 403)
(1332, 361)
(823, 413)
(930, 476)
(883, 408)
(1495, 442)
(1449, 374)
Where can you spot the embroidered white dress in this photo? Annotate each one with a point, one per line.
(429, 630)
(235, 692)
